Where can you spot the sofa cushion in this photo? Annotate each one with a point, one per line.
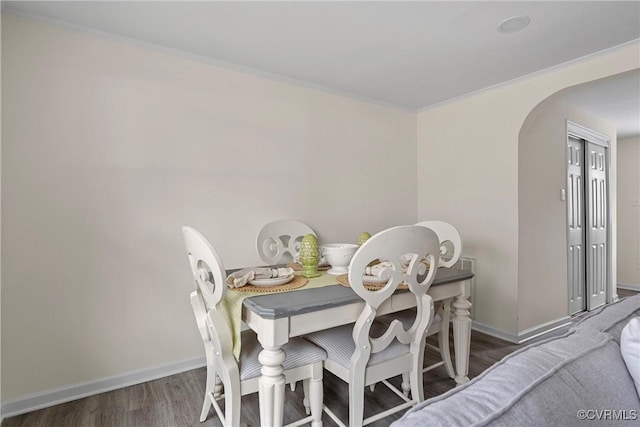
(543, 384)
(630, 349)
(611, 318)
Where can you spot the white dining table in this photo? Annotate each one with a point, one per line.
(279, 316)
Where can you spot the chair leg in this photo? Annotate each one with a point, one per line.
(213, 388)
(206, 406)
(416, 384)
(356, 400)
(406, 384)
(218, 389)
(305, 401)
(316, 396)
(232, 400)
(443, 339)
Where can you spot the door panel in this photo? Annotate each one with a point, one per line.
(576, 232)
(596, 230)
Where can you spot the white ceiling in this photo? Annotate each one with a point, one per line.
(408, 54)
(615, 99)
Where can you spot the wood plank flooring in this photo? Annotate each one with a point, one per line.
(176, 401)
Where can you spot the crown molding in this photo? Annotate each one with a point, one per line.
(200, 58)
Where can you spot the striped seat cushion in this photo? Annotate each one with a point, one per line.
(407, 317)
(338, 342)
(298, 353)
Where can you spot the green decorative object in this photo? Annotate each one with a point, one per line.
(363, 237)
(309, 255)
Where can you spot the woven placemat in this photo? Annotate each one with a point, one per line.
(297, 282)
(344, 281)
(298, 267)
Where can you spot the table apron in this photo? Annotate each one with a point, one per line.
(274, 332)
(270, 332)
(450, 290)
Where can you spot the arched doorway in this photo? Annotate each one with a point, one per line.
(543, 185)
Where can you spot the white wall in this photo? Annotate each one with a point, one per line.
(468, 174)
(466, 177)
(1, 415)
(542, 215)
(629, 211)
(110, 148)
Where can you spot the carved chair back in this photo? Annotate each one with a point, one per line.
(450, 241)
(395, 245)
(210, 280)
(281, 238)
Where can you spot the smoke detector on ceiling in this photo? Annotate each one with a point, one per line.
(513, 24)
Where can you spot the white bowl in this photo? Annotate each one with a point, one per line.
(339, 256)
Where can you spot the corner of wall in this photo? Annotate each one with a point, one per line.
(1, 416)
(628, 214)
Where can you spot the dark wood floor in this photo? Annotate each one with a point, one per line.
(177, 400)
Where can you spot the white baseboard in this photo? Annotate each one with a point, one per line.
(59, 395)
(536, 331)
(498, 333)
(525, 335)
(629, 286)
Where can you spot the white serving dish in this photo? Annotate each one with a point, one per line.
(339, 255)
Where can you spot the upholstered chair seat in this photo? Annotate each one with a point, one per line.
(298, 351)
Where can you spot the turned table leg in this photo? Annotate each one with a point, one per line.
(271, 387)
(461, 337)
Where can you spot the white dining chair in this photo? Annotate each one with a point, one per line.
(228, 378)
(368, 351)
(280, 240)
(450, 251)
(450, 241)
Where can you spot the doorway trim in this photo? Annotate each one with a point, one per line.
(581, 132)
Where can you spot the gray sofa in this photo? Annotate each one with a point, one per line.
(577, 379)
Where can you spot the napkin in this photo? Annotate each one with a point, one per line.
(242, 277)
(377, 269)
